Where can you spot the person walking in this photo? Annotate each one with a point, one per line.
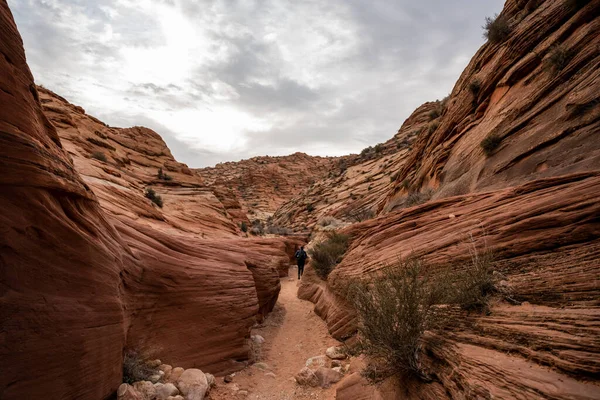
(301, 257)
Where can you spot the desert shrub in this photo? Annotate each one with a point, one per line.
(497, 28)
(433, 114)
(136, 368)
(310, 207)
(394, 310)
(98, 155)
(327, 254)
(163, 176)
(244, 226)
(155, 198)
(490, 143)
(378, 148)
(278, 230)
(433, 126)
(474, 285)
(326, 221)
(360, 214)
(258, 227)
(558, 59)
(475, 86)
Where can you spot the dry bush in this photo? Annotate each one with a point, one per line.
(416, 198)
(473, 286)
(135, 366)
(394, 310)
(155, 198)
(497, 29)
(558, 59)
(490, 143)
(475, 86)
(327, 254)
(98, 155)
(244, 226)
(163, 176)
(360, 214)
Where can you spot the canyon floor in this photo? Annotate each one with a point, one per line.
(293, 333)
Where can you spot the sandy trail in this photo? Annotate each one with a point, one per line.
(293, 333)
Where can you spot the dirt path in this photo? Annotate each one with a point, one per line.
(293, 333)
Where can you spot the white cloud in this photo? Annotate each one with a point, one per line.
(227, 79)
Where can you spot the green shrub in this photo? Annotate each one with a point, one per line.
(155, 198)
(163, 176)
(394, 310)
(98, 155)
(490, 143)
(497, 29)
(327, 254)
(136, 368)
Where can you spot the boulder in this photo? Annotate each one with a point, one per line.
(257, 339)
(175, 374)
(192, 384)
(228, 378)
(127, 392)
(210, 379)
(336, 353)
(327, 376)
(306, 377)
(164, 391)
(166, 369)
(146, 389)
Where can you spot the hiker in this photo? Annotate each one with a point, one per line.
(301, 256)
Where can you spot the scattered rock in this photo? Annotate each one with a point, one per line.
(271, 374)
(154, 363)
(146, 389)
(210, 379)
(175, 374)
(175, 398)
(262, 365)
(193, 384)
(335, 353)
(155, 378)
(242, 393)
(228, 378)
(257, 339)
(166, 369)
(316, 362)
(327, 376)
(164, 391)
(306, 377)
(127, 392)
(338, 369)
(336, 363)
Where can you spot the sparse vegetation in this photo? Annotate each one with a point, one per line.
(244, 226)
(475, 87)
(98, 155)
(474, 285)
(163, 176)
(360, 214)
(327, 254)
(416, 198)
(490, 143)
(394, 310)
(155, 198)
(136, 367)
(433, 126)
(497, 28)
(310, 207)
(558, 59)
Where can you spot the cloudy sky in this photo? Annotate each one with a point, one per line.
(223, 80)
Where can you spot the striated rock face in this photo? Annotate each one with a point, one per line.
(359, 184)
(263, 184)
(61, 313)
(90, 266)
(543, 114)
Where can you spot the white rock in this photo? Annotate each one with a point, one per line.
(175, 374)
(154, 363)
(155, 378)
(165, 391)
(316, 362)
(192, 384)
(327, 376)
(335, 353)
(127, 392)
(210, 378)
(257, 339)
(242, 393)
(146, 389)
(271, 375)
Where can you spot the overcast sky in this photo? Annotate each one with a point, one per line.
(224, 80)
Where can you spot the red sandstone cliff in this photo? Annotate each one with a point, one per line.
(89, 266)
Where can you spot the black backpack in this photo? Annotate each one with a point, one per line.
(301, 255)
